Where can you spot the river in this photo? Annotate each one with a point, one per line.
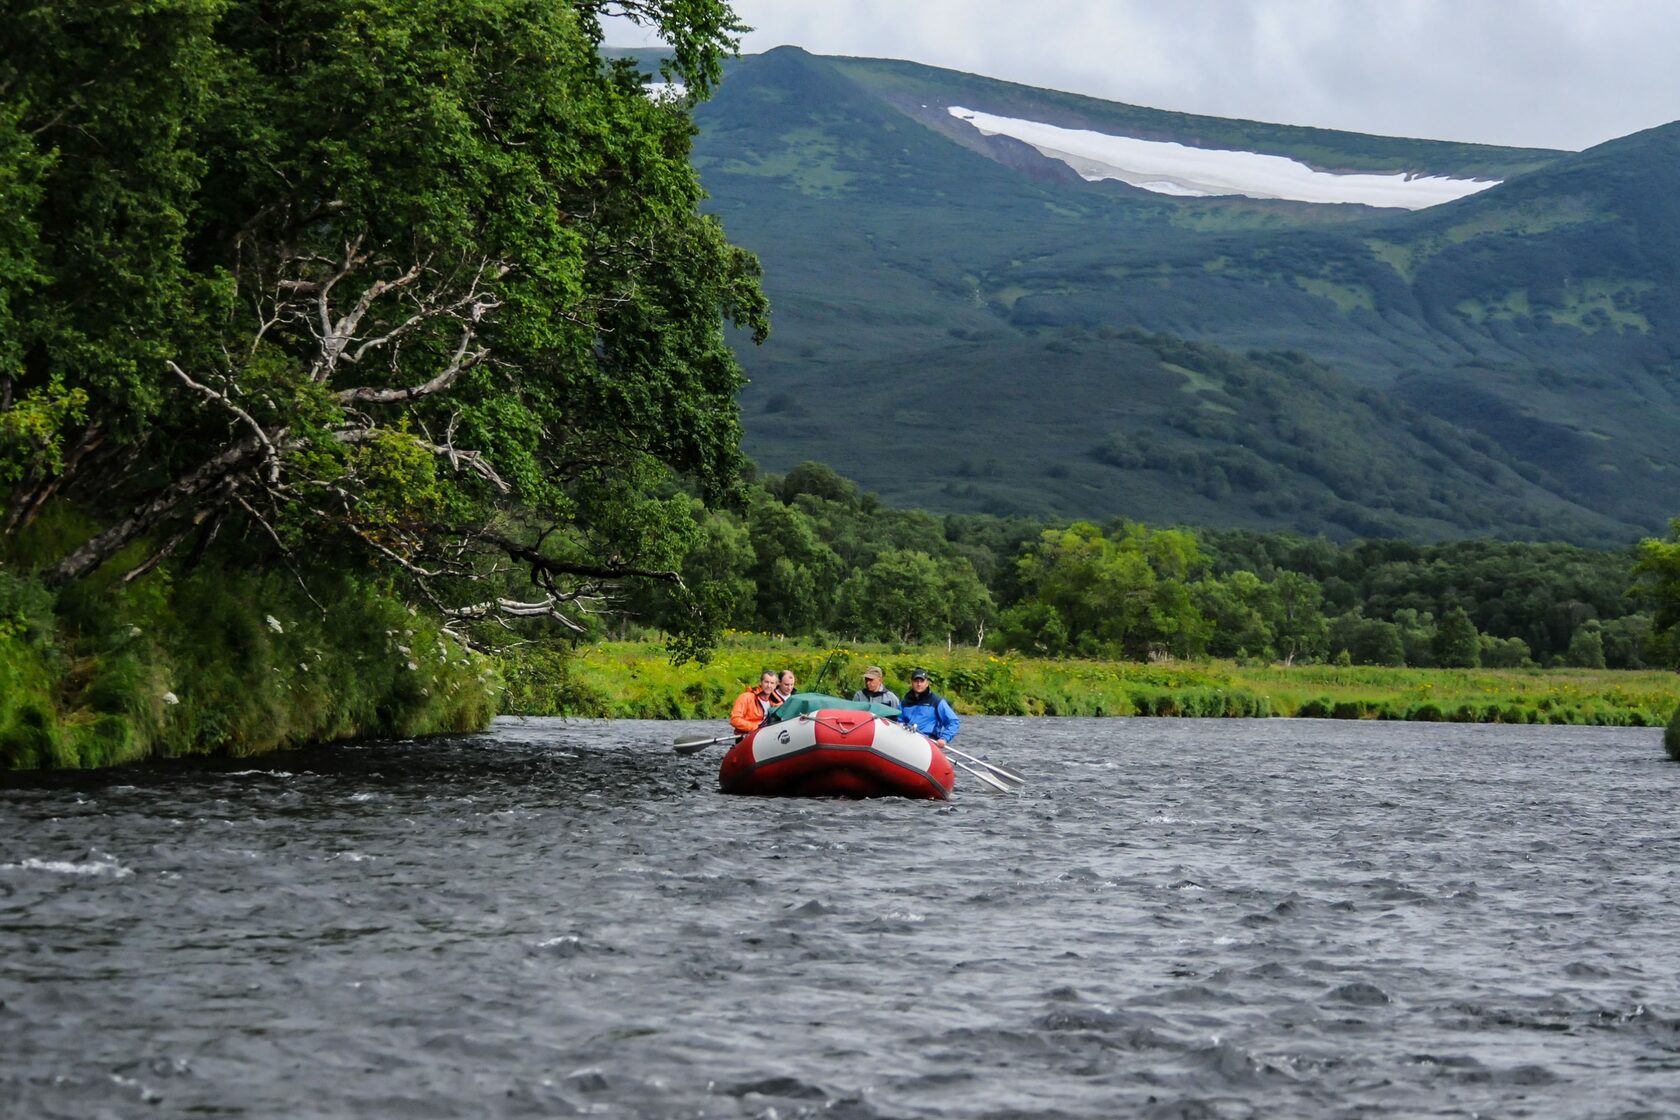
(1176, 919)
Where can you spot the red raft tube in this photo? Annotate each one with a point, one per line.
(836, 753)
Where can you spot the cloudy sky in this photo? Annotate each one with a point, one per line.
(1549, 73)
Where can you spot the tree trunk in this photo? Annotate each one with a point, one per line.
(102, 546)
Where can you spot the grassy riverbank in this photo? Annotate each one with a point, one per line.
(221, 662)
(635, 680)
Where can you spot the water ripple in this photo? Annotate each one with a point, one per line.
(1177, 919)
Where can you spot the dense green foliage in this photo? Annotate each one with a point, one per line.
(421, 286)
(1499, 366)
(221, 661)
(811, 554)
(1658, 570)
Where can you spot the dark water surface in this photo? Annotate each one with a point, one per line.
(1178, 919)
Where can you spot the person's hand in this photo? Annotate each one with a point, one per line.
(936, 742)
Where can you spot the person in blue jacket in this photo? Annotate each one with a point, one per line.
(927, 711)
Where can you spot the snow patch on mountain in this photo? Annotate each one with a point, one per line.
(1177, 169)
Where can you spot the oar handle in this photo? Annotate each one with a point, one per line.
(697, 747)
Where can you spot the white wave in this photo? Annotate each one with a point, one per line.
(1166, 167)
(261, 773)
(68, 867)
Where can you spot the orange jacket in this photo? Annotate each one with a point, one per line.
(748, 712)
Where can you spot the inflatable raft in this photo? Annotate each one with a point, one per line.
(836, 752)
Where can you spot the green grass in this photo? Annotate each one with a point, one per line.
(1347, 297)
(635, 680)
(221, 662)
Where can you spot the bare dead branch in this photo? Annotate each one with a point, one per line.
(458, 364)
(472, 461)
(269, 452)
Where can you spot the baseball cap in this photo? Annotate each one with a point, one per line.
(919, 675)
(872, 671)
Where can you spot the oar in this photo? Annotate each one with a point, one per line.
(1003, 772)
(824, 672)
(984, 777)
(691, 744)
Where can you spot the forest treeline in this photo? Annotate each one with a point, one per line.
(810, 554)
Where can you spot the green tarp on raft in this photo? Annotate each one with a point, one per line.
(804, 703)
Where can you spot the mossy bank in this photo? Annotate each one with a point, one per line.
(221, 662)
(636, 680)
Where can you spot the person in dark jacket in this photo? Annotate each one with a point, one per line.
(927, 711)
(875, 692)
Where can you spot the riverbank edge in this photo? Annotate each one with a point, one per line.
(635, 680)
(223, 662)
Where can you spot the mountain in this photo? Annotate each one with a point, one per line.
(994, 297)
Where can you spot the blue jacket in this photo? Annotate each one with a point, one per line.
(930, 715)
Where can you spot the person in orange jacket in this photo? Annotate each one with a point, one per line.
(752, 704)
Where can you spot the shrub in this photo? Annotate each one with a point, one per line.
(1425, 712)
(1671, 737)
(1316, 708)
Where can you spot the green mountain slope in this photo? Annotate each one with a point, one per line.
(978, 301)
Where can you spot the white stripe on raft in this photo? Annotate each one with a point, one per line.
(893, 740)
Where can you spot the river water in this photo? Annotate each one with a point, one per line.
(1177, 919)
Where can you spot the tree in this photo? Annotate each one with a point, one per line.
(1367, 641)
(1505, 653)
(1417, 632)
(1100, 592)
(968, 606)
(1457, 644)
(1625, 641)
(1586, 646)
(426, 284)
(1299, 627)
(1236, 607)
(1657, 571)
(1123, 594)
(899, 597)
(794, 574)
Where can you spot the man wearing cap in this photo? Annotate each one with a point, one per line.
(927, 711)
(873, 691)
